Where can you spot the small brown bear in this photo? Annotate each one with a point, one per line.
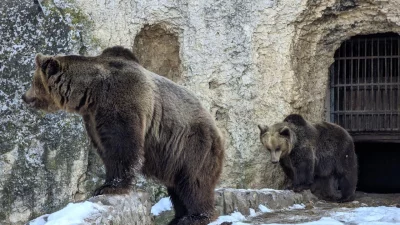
(319, 156)
(139, 122)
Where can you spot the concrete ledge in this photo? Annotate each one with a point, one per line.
(229, 200)
(134, 209)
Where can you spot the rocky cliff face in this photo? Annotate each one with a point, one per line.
(248, 61)
(44, 159)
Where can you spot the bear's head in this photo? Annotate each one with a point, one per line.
(277, 139)
(38, 96)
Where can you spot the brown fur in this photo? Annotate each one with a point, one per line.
(319, 156)
(138, 122)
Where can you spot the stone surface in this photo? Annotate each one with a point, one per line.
(131, 209)
(249, 62)
(230, 200)
(43, 158)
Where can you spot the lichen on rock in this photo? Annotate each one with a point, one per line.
(42, 156)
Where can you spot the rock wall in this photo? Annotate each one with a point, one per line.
(250, 62)
(43, 158)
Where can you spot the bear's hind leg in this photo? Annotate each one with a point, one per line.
(198, 199)
(347, 184)
(179, 207)
(326, 188)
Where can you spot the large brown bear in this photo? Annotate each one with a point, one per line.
(138, 122)
(319, 156)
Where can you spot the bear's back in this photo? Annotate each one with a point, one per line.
(178, 103)
(333, 141)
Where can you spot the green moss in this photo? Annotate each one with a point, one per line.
(51, 164)
(164, 218)
(77, 16)
(17, 40)
(159, 192)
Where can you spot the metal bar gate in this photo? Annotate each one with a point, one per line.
(365, 84)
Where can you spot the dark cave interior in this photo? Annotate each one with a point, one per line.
(378, 167)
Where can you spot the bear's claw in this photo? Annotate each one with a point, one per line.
(111, 188)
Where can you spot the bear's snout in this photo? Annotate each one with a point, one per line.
(23, 98)
(274, 162)
(27, 100)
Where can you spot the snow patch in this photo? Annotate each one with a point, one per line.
(322, 221)
(252, 212)
(264, 209)
(73, 213)
(381, 215)
(233, 217)
(264, 190)
(297, 206)
(163, 205)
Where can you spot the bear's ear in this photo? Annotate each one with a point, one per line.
(295, 119)
(38, 59)
(285, 131)
(47, 64)
(119, 51)
(263, 128)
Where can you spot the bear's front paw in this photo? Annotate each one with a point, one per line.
(288, 187)
(348, 199)
(300, 188)
(112, 188)
(202, 219)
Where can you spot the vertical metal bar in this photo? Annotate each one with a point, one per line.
(387, 96)
(345, 87)
(337, 89)
(332, 92)
(351, 86)
(377, 93)
(391, 95)
(358, 88)
(365, 86)
(372, 87)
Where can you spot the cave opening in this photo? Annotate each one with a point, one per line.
(158, 51)
(378, 167)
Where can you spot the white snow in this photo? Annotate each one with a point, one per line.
(252, 212)
(73, 213)
(322, 221)
(163, 205)
(381, 215)
(297, 206)
(264, 209)
(234, 217)
(264, 190)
